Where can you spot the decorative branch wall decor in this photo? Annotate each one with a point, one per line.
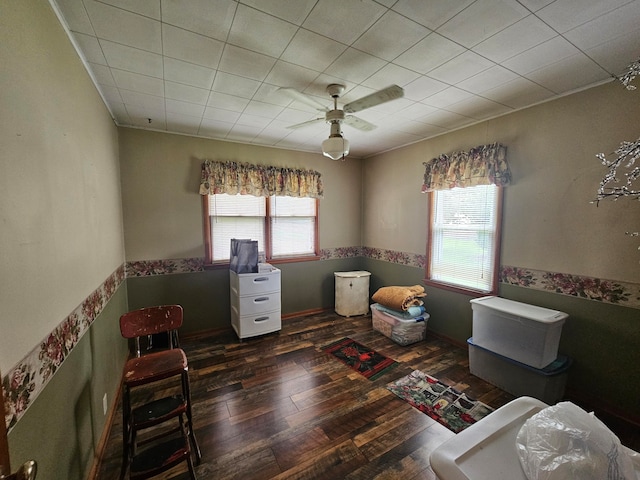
(612, 186)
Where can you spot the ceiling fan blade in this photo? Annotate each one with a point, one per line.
(304, 124)
(301, 97)
(359, 123)
(376, 98)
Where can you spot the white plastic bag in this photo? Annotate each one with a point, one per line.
(563, 442)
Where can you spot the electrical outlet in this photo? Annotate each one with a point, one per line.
(104, 404)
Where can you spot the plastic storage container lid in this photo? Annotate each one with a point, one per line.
(524, 310)
(355, 274)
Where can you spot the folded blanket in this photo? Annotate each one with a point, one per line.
(399, 298)
(409, 314)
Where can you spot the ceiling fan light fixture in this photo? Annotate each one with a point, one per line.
(335, 147)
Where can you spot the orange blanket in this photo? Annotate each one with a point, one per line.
(399, 298)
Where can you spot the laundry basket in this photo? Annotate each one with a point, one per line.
(352, 293)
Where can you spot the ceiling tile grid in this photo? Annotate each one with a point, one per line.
(213, 68)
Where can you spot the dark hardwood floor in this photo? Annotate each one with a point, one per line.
(277, 406)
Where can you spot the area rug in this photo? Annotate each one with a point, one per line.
(443, 403)
(361, 358)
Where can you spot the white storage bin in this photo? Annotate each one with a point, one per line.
(522, 332)
(352, 293)
(517, 378)
(400, 330)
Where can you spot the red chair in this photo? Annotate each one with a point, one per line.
(144, 369)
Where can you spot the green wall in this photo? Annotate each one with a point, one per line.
(62, 428)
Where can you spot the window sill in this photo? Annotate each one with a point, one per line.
(273, 261)
(458, 289)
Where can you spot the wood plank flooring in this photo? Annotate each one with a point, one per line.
(278, 407)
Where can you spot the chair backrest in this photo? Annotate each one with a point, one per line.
(152, 321)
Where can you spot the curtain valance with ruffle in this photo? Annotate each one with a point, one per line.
(259, 180)
(482, 165)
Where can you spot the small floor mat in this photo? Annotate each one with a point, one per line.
(361, 358)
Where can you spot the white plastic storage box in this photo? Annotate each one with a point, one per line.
(525, 333)
(545, 384)
(400, 330)
(352, 293)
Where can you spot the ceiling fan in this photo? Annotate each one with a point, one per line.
(336, 146)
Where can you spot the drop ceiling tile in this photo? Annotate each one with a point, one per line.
(186, 93)
(269, 94)
(245, 63)
(214, 128)
(262, 109)
(603, 29)
(148, 8)
(416, 111)
(461, 68)
(184, 108)
(488, 79)
(616, 54)
(150, 102)
(294, 12)
(479, 108)
(571, 73)
(211, 18)
(447, 97)
(75, 16)
(284, 74)
(429, 53)
(535, 5)
(390, 36)
(564, 15)
(431, 13)
(235, 85)
(260, 32)
(546, 53)
(221, 115)
(90, 48)
(188, 73)
(132, 59)
(325, 51)
(518, 93)
(446, 119)
(183, 123)
(253, 121)
(111, 23)
(342, 21)
(423, 87)
(119, 113)
(227, 102)
(102, 74)
(481, 20)
(141, 119)
(111, 94)
(191, 47)
(293, 116)
(390, 74)
(519, 37)
(138, 83)
(355, 66)
(243, 133)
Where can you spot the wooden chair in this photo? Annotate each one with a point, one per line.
(146, 368)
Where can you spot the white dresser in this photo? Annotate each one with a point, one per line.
(255, 303)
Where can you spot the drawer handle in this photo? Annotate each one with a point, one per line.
(261, 279)
(261, 319)
(261, 299)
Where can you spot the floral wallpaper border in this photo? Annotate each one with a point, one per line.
(23, 383)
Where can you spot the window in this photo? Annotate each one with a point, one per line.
(464, 238)
(285, 227)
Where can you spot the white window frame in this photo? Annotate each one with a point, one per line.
(441, 269)
(266, 244)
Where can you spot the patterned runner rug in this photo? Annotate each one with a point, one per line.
(443, 403)
(361, 358)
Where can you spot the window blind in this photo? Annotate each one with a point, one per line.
(463, 236)
(235, 216)
(292, 226)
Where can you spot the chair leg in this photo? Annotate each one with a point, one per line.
(186, 391)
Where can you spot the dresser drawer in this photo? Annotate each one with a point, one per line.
(251, 325)
(245, 284)
(265, 302)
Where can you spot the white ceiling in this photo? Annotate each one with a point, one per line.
(212, 67)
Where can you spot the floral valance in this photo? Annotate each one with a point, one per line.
(259, 180)
(483, 165)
